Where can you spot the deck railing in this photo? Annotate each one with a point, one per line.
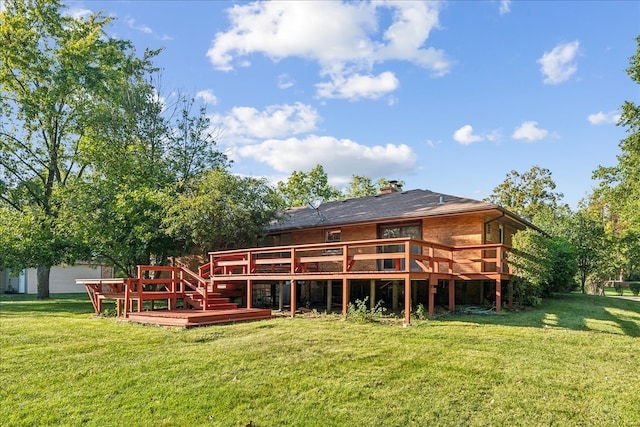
(403, 255)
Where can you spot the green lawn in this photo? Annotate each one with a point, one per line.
(573, 361)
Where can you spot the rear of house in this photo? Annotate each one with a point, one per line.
(402, 247)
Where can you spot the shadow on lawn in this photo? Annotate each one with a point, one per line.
(11, 304)
(571, 311)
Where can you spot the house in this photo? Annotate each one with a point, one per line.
(402, 247)
(61, 278)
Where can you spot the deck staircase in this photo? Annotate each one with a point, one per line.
(214, 301)
(201, 305)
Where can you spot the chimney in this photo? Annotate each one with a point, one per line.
(441, 200)
(391, 187)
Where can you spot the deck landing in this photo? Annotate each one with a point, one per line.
(191, 318)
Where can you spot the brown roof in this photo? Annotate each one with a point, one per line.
(391, 206)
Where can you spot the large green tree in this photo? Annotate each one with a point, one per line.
(304, 187)
(618, 193)
(527, 194)
(220, 211)
(586, 233)
(141, 161)
(54, 70)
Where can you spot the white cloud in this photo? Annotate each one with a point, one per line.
(285, 82)
(273, 122)
(505, 7)
(601, 118)
(359, 86)
(207, 96)
(340, 158)
(78, 13)
(465, 136)
(530, 131)
(559, 65)
(142, 28)
(344, 38)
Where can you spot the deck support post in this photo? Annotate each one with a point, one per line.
(372, 294)
(345, 296)
(281, 295)
(394, 295)
(433, 283)
(329, 296)
(498, 294)
(307, 292)
(294, 302)
(249, 293)
(414, 292)
(407, 300)
(452, 295)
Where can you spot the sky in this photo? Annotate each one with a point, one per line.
(446, 96)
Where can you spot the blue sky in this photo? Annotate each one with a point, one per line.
(446, 96)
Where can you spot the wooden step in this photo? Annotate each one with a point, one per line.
(191, 318)
(222, 306)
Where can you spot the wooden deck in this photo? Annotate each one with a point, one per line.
(203, 298)
(192, 318)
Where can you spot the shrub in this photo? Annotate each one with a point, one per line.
(359, 311)
(421, 312)
(618, 287)
(635, 288)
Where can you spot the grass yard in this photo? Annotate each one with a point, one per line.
(573, 361)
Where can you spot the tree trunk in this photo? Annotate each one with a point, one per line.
(42, 273)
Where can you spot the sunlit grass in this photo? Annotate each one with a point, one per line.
(573, 361)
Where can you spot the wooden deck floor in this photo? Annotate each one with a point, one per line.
(192, 318)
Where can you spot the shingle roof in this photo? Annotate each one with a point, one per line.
(398, 205)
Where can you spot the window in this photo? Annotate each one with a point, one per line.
(332, 236)
(392, 231)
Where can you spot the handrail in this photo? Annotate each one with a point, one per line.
(296, 257)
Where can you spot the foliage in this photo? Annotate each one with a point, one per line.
(192, 144)
(303, 187)
(542, 265)
(635, 288)
(360, 186)
(222, 211)
(618, 193)
(527, 194)
(53, 70)
(588, 238)
(359, 311)
(580, 354)
(618, 287)
(421, 312)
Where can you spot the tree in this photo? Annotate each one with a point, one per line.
(588, 238)
(140, 162)
(302, 187)
(360, 186)
(192, 144)
(527, 194)
(618, 193)
(222, 211)
(54, 70)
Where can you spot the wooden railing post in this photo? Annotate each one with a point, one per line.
(293, 262)
(407, 256)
